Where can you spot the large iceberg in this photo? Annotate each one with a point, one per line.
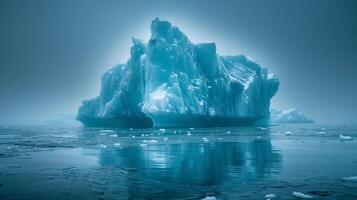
(170, 81)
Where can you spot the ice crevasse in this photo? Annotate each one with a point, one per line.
(171, 82)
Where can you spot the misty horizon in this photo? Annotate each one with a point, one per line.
(53, 55)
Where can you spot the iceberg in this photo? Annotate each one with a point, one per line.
(171, 82)
(291, 115)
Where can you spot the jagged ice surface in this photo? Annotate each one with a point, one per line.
(170, 81)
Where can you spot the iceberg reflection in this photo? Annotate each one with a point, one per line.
(201, 164)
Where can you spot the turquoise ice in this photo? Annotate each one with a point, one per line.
(170, 81)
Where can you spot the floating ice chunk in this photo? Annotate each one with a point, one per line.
(302, 195)
(351, 178)
(188, 133)
(113, 135)
(228, 132)
(205, 139)
(103, 146)
(258, 137)
(262, 128)
(165, 139)
(289, 116)
(321, 133)
(270, 196)
(288, 133)
(106, 131)
(209, 198)
(117, 144)
(162, 130)
(345, 137)
(152, 141)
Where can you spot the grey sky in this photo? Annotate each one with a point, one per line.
(52, 53)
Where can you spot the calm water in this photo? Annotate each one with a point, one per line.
(227, 163)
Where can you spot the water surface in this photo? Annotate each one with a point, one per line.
(227, 163)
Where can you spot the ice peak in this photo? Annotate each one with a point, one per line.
(160, 28)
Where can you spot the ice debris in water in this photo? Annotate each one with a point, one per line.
(270, 196)
(345, 137)
(189, 133)
(113, 135)
(209, 198)
(321, 133)
(302, 195)
(262, 128)
(288, 133)
(351, 178)
(170, 81)
(106, 131)
(205, 139)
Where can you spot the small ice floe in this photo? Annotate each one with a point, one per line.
(143, 145)
(228, 132)
(192, 129)
(219, 138)
(205, 139)
(152, 141)
(165, 139)
(288, 133)
(133, 136)
(258, 137)
(117, 144)
(209, 198)
(302, 195)
(106, 131)
(270, 196)
(131, 129)
(262, 128)
(321, 133)
(113, 135)
(103, 146)
(351, 178)
(188, 133)
(345, 137)
(162, 130)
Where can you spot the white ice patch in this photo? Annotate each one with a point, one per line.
(270, 196)
(209, 198)
(351, 178)
(302, 195)
(345, 137)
